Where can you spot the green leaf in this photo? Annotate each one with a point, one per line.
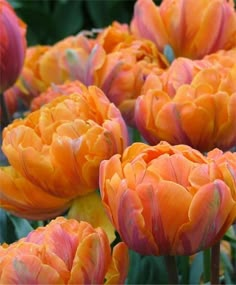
(21, 226)
(15, 3)
(146, 269)
(103, 12)
(7, 232)
(196, 269)
(39, 22)
(230, 235)
(68, 18)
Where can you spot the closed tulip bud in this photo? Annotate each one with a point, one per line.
(12, 45)
(157, 208)
(64, 252)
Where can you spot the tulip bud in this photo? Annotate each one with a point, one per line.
(12, 45)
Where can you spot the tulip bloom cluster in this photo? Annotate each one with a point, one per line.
(55, 152)
(115, 61)
(63, 252)
(169, 75)
(172, 203)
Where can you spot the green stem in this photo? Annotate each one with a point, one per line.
(5, 118)
(215, 263)
(184, 264)
(207, 265)
(171, 268)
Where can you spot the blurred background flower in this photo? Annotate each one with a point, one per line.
(12, 45)
(173, 24)
(12, 53)
(63, 252)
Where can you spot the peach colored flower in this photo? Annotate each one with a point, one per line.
(200, 114)
(64, 252)
(45, 65)
(187, 25)
(12, 45)
(152, 202)
(59, 149)
(120, 73)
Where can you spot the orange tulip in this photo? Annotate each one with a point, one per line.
(200, 114)
(187, 25)
(46, 65)
(155, 207)
(64, 252)
(12, 45)
(59, 149)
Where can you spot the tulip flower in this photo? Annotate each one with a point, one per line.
(12, 45)
(64, 252)
(200, 114)
(58, 149)
(157, 210)
(12, 53)
(185, 25)
(118, 63)
(45, 65)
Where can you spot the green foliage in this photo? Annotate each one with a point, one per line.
(62, 18)
(12, 228)
(146, 269)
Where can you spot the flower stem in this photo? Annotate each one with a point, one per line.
(184, 265)
(207, 265)
(5, 118)
(215, 263)
(171, 269)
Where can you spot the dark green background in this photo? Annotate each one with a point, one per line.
(49, 21)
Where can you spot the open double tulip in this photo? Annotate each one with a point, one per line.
(58, 149)
(192, 28)
(64, 252)
(200, 114)
(46, 65)
(12, 45)
(152, 198)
